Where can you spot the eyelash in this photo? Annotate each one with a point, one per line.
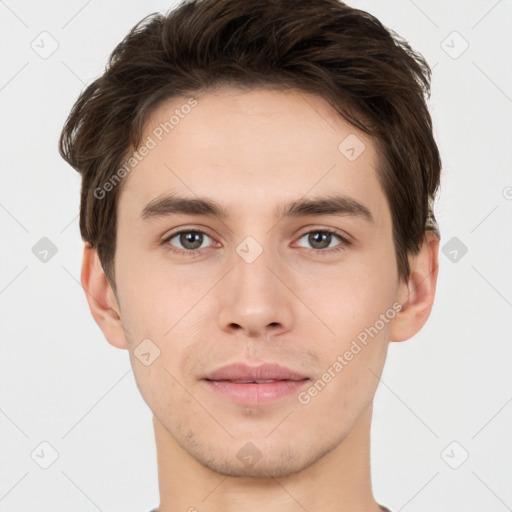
(324, 252)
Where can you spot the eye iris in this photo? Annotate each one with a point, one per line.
(325, 239)
(193, 239)
(188, 238)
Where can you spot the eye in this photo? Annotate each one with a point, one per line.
(321, 239)
(190, 240)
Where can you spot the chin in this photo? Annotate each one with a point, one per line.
(268, 462)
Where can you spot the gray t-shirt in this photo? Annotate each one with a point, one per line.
(384, 509)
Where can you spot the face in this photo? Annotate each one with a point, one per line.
(313, 288)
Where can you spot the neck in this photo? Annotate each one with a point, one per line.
(338, 482)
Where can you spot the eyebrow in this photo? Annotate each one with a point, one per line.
(330, 205)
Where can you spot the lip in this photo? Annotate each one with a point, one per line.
(267, 371)
(286, 382)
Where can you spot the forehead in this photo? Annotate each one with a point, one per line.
(249, 148)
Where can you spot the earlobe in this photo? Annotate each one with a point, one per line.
(419, 292)
(101, 298)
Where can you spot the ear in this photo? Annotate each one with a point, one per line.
(101, 298)
(417, 295)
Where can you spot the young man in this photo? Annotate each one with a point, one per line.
(258, 181)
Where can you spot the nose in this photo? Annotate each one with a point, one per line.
(255, 297)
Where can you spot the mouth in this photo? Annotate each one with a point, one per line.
(259, 385)
(249, 381)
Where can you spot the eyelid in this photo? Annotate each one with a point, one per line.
(345, 240)
(335, 231)
(186, 229)
(303, 231)
(177, 250)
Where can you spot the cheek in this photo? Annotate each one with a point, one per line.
(351, 301)
(359, 308)
(152, 298)
(159, 385)
(352, 367)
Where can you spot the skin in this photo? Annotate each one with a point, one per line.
(250, 151)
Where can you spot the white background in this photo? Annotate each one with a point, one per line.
(62, 383)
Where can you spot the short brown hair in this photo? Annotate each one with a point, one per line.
(368, 73)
